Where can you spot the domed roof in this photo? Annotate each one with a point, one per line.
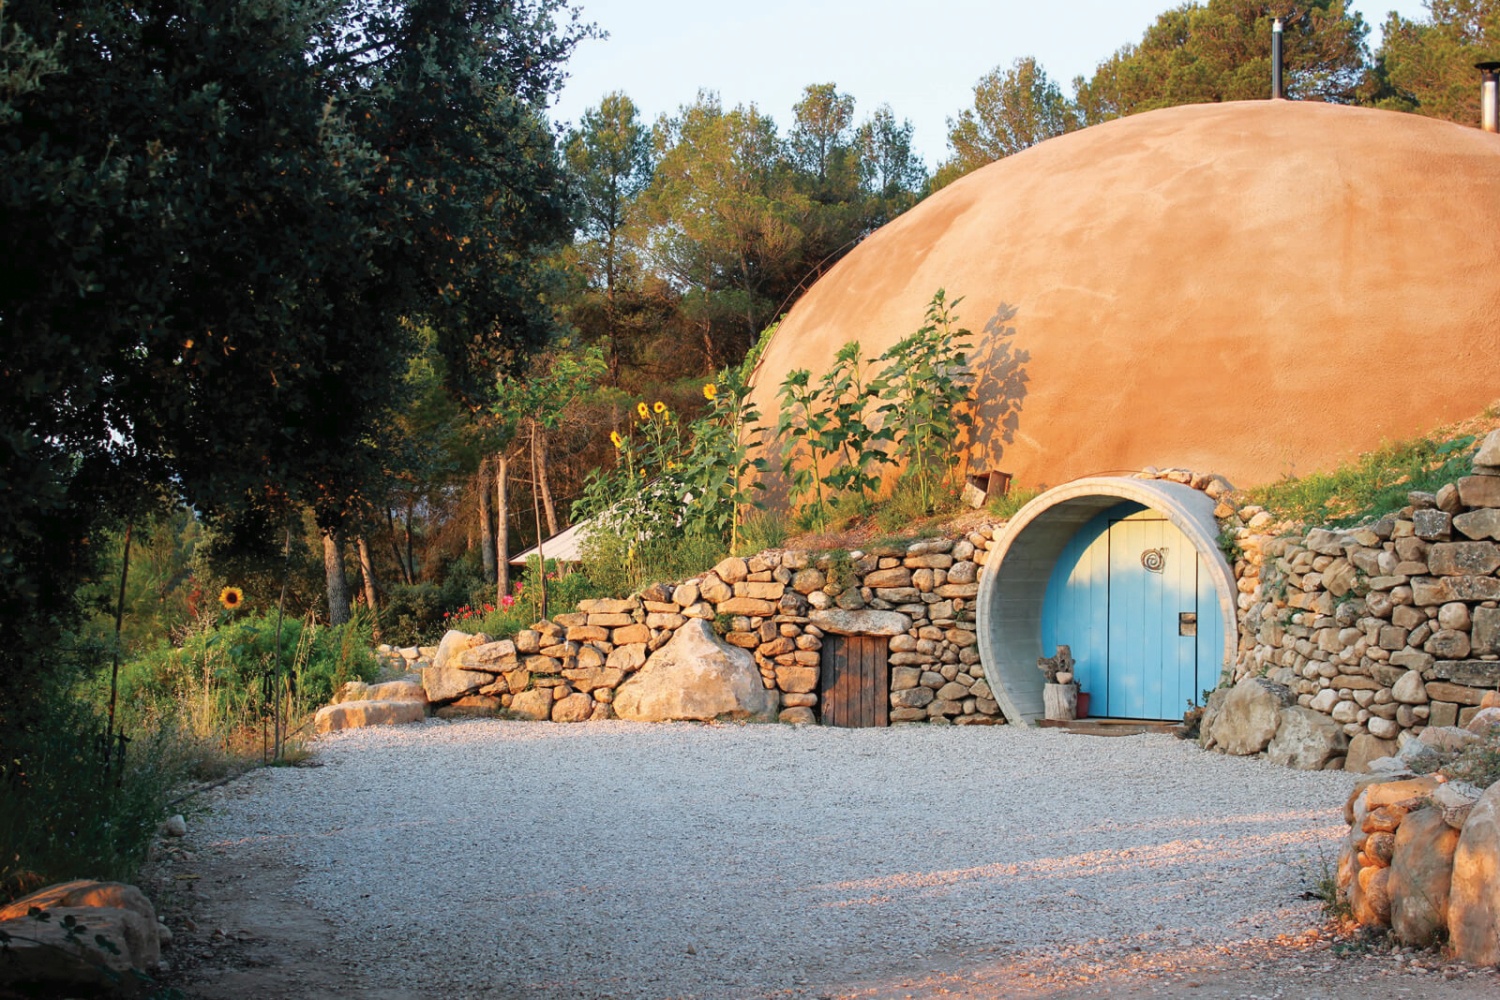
(1255, 288)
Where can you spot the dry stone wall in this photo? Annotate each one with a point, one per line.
(1384, 629)
(779, 606)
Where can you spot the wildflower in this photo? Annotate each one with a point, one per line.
(616, 440)
(659, 407)
(507, 602)
(231, 597)
(710, 391)
(641, 409)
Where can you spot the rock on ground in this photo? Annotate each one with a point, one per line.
(359, 714)
(695, 676)
(1305, 739)
(1249, 715)
(1474, 900)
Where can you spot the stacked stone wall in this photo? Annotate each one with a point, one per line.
(1387, 628)
(780, 606)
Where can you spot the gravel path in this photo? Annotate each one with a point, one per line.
(620, 860)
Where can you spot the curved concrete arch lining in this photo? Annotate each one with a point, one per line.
(1014, 585)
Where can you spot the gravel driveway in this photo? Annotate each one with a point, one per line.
(612, 859)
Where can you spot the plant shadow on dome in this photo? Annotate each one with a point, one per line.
(998, 393)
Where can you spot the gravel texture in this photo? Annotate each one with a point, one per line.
(619, 860)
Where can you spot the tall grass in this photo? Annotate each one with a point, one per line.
(1372, 485)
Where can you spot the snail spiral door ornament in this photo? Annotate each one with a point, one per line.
(1155, 560)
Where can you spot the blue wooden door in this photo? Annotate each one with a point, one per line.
(1118, 595)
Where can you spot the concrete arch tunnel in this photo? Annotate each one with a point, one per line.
(1126, 572)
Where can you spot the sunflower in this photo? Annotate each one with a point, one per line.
(231, 597)
(658, 407)
(616, 440)
(710, 391)
(641, 409)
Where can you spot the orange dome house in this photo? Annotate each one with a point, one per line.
(1254, 289)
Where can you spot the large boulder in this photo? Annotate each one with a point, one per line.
(360, 714)
(1250, 715)
(1421, 873)
(1211, 710)
(1305, 739)
(496, 657)
(535, 704)
(1474, 899)
(695, 676)
(43, 959)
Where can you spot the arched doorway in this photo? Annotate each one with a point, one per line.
(1126, 572)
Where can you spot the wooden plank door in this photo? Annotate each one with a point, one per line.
(855, 681)
(1153, 606)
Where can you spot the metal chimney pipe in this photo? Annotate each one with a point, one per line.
(1277, 93)
(1489, 96)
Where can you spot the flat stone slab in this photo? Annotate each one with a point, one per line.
(1471, 673)
(841, 622)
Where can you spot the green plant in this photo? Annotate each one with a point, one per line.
(922, 388)
(908, 505)
(1478, 763)
(1229, 544)
(1324, 887)
(718, 464)
(838, 569)
(806, 428)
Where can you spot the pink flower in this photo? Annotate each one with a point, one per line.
(507, 602)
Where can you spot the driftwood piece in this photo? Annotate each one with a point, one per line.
(1051, 666)
(1060, 702)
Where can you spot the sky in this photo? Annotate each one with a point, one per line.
(922, 57)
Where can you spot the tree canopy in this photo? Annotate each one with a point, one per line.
(219, 223)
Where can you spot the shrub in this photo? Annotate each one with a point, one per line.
(64, 814)
(224, 676)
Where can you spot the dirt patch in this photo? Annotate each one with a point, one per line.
(240, 929)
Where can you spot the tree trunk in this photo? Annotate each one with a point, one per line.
(502, 525)
(539, 450)
(367, 570)
(390, 520)
(486, 532)
(411, 564)
(333, 569)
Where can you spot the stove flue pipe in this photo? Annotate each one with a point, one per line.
(1489, 96)
(1277, 94)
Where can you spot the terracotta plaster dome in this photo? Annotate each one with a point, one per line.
(1255, 289)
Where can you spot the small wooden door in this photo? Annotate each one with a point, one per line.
(855, 681)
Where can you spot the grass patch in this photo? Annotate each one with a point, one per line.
(1373, 485)
(762, 530)
(1009, 503)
